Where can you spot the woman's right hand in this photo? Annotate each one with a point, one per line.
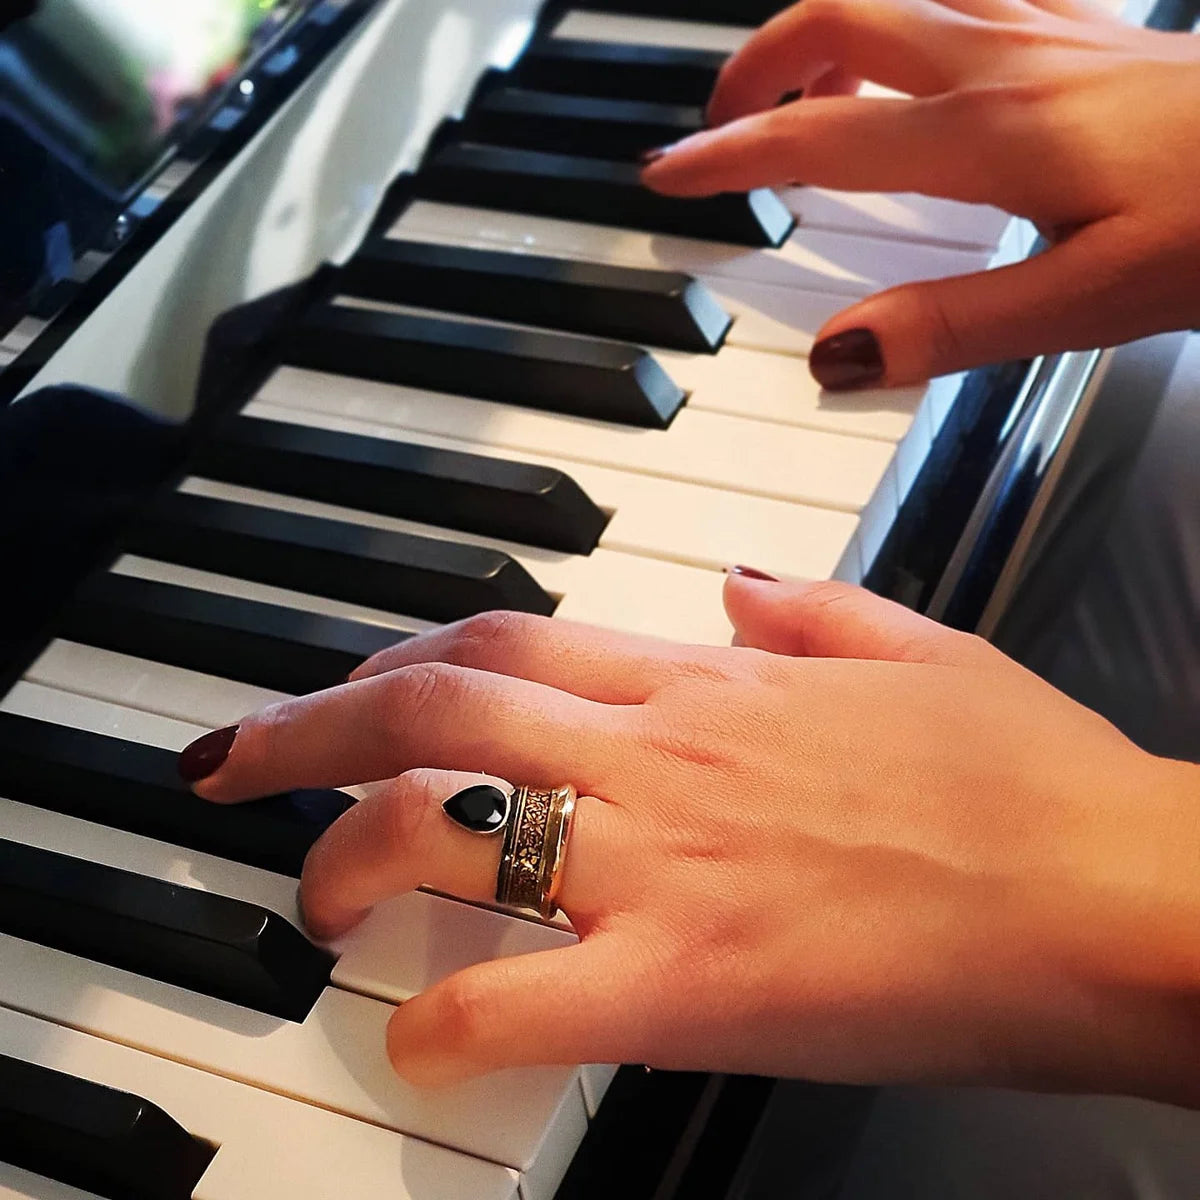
(1052, 111)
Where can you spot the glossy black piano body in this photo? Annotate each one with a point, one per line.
(979, 543)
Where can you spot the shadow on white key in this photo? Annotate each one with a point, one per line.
(267, 1145)
(906, 217)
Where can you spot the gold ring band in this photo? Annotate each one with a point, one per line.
(535, 846)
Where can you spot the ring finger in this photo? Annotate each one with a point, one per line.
(399, 838)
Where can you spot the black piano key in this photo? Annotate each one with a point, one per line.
(661, 74)
(207, 943)
(89, 1136)
(137, 788)
(395, 572)
(606, 381)
(590, 126)
(659, 308)
(266, 645)
(719, 12)
(519, 502)
(603, 193)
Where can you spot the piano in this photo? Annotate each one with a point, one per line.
(375, 332)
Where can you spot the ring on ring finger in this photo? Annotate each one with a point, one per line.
(536, 827)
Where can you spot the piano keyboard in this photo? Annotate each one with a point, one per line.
(441, 440)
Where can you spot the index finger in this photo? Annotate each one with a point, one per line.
(425, 715)
(844, 142)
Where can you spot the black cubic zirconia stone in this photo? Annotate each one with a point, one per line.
(481, 809)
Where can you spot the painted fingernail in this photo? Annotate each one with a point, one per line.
(482, 808)
(202, 758)
(652, 155)
(753, 573)
(847, 360)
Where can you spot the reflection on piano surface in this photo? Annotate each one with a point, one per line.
(532, 386)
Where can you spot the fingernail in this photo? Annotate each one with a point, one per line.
(199, 760)
(753, 573)
(652, 155)
(847, 360)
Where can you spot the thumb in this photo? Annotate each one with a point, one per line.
(1076, 295)
(836, 620)
(553, 1007)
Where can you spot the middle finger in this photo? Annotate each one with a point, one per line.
(914, 46)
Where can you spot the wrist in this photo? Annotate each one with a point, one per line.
(1136, 941)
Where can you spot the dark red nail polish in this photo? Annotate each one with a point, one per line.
(753, 573)
(199, 760)
(847, 360)
(652, 155)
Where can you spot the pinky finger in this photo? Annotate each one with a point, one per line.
(567, 1006)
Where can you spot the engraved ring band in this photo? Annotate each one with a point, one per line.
(536, 827)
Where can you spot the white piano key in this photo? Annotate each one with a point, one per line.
(775, 387)
(907, 216)
(595, 588)
(16, 1184)
(204, 700)
(745, 383)
(850, 568)
(913, 449)
(334, 1059)
(228, 585)
(759, 458)
(663, 518)
(814, 259)
(268, 1145)
(879, 517)
(86, 712)
(587, 25)
(943, 391)
(595, 1079)
(768, 317)
(33, 826)
(412, 942)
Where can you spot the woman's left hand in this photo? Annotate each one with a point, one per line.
(859, 847)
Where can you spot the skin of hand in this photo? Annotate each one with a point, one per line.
(1050, 110)
(858, 847)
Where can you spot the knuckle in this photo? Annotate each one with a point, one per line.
(708, 732)
(462, 1014)
(407, 813)
(826, 600)
(419, 692)
(940, 332)
(489, 635)
(827, 18)
(830, 593)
